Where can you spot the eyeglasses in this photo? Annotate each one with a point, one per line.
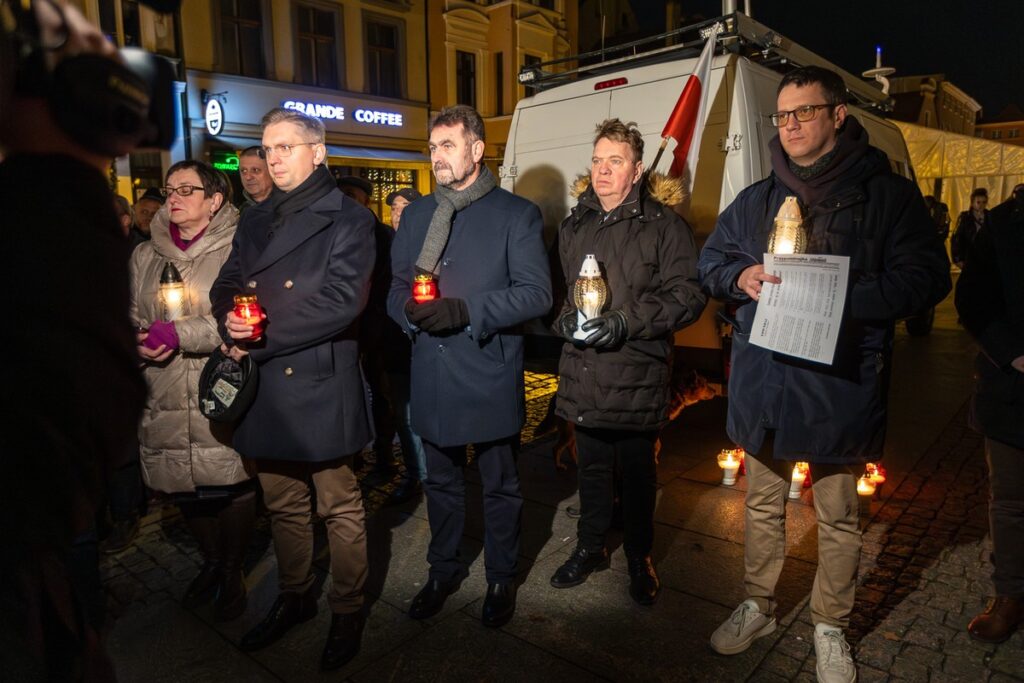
(803, 114)
(182, 190)
(282, 151)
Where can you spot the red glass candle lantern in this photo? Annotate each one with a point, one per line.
(248, 308)
(424, 288)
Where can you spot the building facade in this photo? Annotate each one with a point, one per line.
(476, 48)
(358, 65)
(934, 102)
(1007, 126)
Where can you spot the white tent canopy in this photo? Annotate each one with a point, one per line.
(963, 163)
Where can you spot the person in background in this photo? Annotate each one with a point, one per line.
(381, 343)
(144, 210)
(968, 225)
(183, 453)
(990, 302)
(398, 200)
(256, 182)
(399, 358)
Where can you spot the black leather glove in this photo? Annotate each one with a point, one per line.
(567, 325)
(607, 331)
(439, 315)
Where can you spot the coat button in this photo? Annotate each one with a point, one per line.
(579, 419)
(440, 348)
(288, 372)
(251, 284)
(288, 284)
(445, 262)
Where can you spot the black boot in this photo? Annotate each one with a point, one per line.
(288, 610)
(206, 530)
(499, 605)
(342, 640)
(579, 566)
(643, 580)
(236, 523)
(430, 600)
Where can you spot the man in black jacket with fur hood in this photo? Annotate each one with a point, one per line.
(614, 384)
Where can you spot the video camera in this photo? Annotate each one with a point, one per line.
(109, 107)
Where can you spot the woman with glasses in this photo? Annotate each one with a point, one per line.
(182, 453)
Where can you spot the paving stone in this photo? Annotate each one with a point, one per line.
(867, 674)
(780, 665)
(796, 642)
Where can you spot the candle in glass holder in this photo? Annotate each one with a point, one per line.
(589, 294)
(249, 309)
(730, 464)
(172, 293)
(787, 236)
(865, 487)
(424, 288)
(876, 472)
(796, 486)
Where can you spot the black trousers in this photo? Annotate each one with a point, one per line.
(446, 508)
(597, 450)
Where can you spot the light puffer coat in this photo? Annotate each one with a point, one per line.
(180, 448)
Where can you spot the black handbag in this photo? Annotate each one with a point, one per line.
(227, 387)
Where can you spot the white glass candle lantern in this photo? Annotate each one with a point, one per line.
(172, 293)
(589, 294)
(787, 235)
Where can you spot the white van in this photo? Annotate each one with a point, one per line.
(551, 135)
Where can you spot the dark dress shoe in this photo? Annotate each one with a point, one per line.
(999, 620)
(499, 605)
(643, 581)
(406, 490)
(203, 587)
(121, 536)
(430, 600)
(579, 566)
(573, 511)
(342, 640)
(289, 609)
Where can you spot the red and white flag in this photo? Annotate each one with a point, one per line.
(686, 124)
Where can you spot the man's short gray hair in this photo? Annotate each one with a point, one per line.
(312, 127)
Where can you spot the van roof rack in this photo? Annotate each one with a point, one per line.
(738, 34)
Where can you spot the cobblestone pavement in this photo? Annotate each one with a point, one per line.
(924, 571)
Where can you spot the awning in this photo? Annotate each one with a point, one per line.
(332, 150)
(373, 153)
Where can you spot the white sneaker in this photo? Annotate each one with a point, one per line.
(835, 663)
(741, 629)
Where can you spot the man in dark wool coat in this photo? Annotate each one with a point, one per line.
(484, 248)
(307, 252)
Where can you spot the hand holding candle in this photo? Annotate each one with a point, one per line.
(248, 313)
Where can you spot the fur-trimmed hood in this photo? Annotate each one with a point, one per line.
(660, 187)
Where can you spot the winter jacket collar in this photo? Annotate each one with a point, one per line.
(216, 235)
(299, 226)
(646, 200)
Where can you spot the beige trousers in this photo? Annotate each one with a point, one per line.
(286, 493)
(839, 538)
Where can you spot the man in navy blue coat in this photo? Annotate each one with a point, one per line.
(307, 252)
(484, 248)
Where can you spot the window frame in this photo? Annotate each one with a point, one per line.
(266, 40)
(339, 41)
(400, 52)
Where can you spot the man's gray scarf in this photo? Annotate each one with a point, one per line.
(448, 202)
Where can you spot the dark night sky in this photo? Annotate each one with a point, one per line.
(978, 44)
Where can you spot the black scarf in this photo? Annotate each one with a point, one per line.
(851, 146)
(319, 183)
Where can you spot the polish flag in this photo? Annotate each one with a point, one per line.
(686, 124)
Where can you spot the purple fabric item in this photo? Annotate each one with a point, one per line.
(178, 241)
(162, 333)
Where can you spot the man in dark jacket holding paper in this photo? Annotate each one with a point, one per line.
(307, 252)
(784, 409)
(484, 248)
